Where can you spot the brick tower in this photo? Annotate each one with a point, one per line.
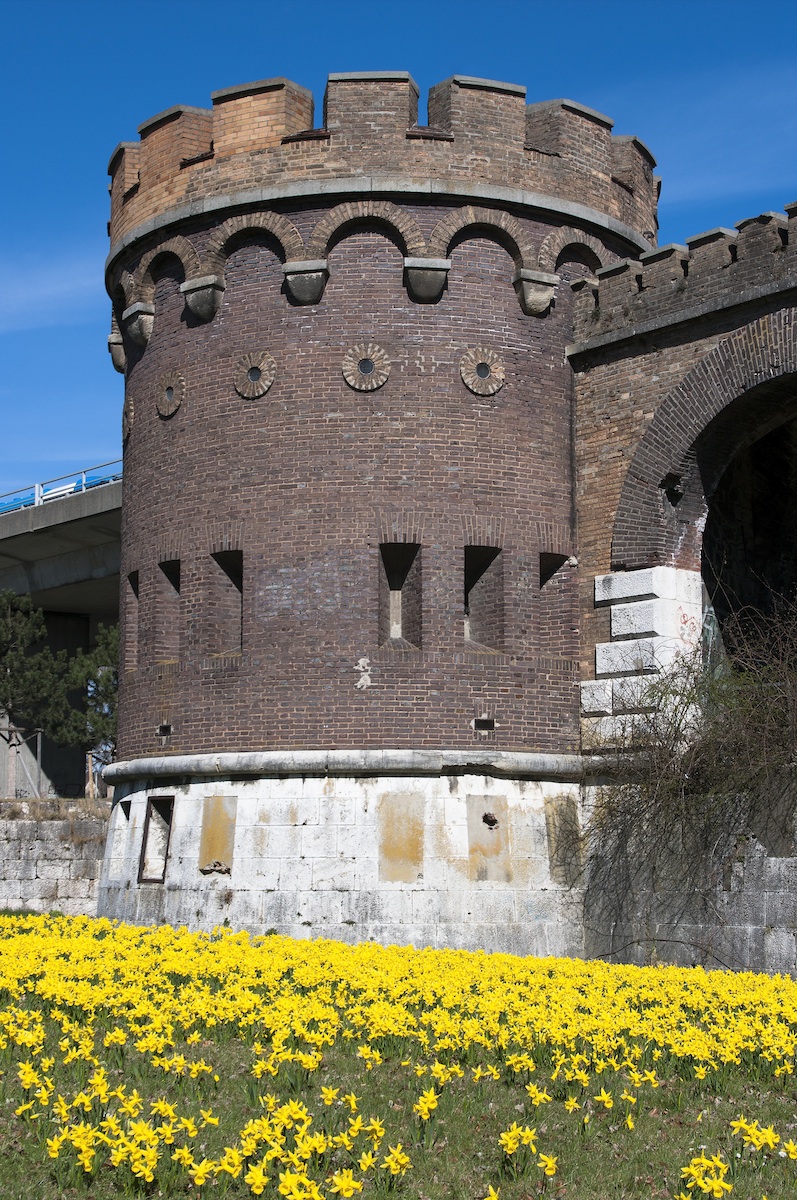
(350, 609)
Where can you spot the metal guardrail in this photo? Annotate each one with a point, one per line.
(63, 485)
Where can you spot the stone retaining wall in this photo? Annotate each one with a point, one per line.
(51, 853)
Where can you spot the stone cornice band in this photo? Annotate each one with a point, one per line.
(378, 763)
(378, 185)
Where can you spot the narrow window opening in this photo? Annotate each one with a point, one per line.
(157, 835)
(484, 725)
(549, 565)
(169, 624)
(130, 617)
(484, 596)
(400, 594)
(226, 602)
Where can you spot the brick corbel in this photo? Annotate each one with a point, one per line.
(203, 295)
(426, 277)
(306, 279)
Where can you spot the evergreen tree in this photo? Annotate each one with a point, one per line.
(72, 701)
(89, 721)
(33, 687)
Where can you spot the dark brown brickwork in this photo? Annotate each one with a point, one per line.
(622, 401)
(659, 417)
(315, 476)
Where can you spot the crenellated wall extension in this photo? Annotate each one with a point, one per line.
(717, 269)
(480, 132)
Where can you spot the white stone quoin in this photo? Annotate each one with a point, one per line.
(656, 615)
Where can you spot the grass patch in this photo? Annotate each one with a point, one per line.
(154, 1062)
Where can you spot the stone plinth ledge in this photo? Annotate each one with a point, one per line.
(511, 764)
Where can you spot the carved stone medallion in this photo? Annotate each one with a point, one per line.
(482, 371)
(171, 393)
(128, 413)
(366, 367)
(255, 374)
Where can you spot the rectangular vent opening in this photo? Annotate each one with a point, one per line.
(400, 593)
(157, 835)
(549, 565)
(168, 631)
(225, 603)
(484, 596)
(130, 622)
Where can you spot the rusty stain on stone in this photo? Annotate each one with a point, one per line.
(218, 830)
(488, 839)
(400, 821)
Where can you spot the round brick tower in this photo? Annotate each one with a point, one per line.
(349, 699)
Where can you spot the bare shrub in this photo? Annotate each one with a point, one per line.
(709, 766)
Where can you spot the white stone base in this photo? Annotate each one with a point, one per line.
(405, 859)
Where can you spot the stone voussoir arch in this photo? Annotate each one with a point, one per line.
(340, 218)
(501, 226)
(220, 243)
(560, 240)
(764, 350)
(143, 282)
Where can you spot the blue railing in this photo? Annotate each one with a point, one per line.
(64, 485)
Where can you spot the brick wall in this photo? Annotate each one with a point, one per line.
(305, 479)
(480, 132)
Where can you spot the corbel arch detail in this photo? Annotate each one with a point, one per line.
(560, 240)
(177, 247)
(218, 247)
(505, 228)
(534, 287)
(352, 212)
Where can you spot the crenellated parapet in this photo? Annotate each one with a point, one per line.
(717, 269)
(481, 135)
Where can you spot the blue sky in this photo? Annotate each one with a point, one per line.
(709, 85)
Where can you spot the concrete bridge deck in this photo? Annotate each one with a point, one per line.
(65, 553)
(60, 547)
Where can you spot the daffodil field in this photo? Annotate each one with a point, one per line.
(158, 1062)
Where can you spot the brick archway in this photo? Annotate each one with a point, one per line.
(665, 474)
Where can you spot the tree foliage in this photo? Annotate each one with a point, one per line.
(92, 677)
(72, 701)
(32, 678)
